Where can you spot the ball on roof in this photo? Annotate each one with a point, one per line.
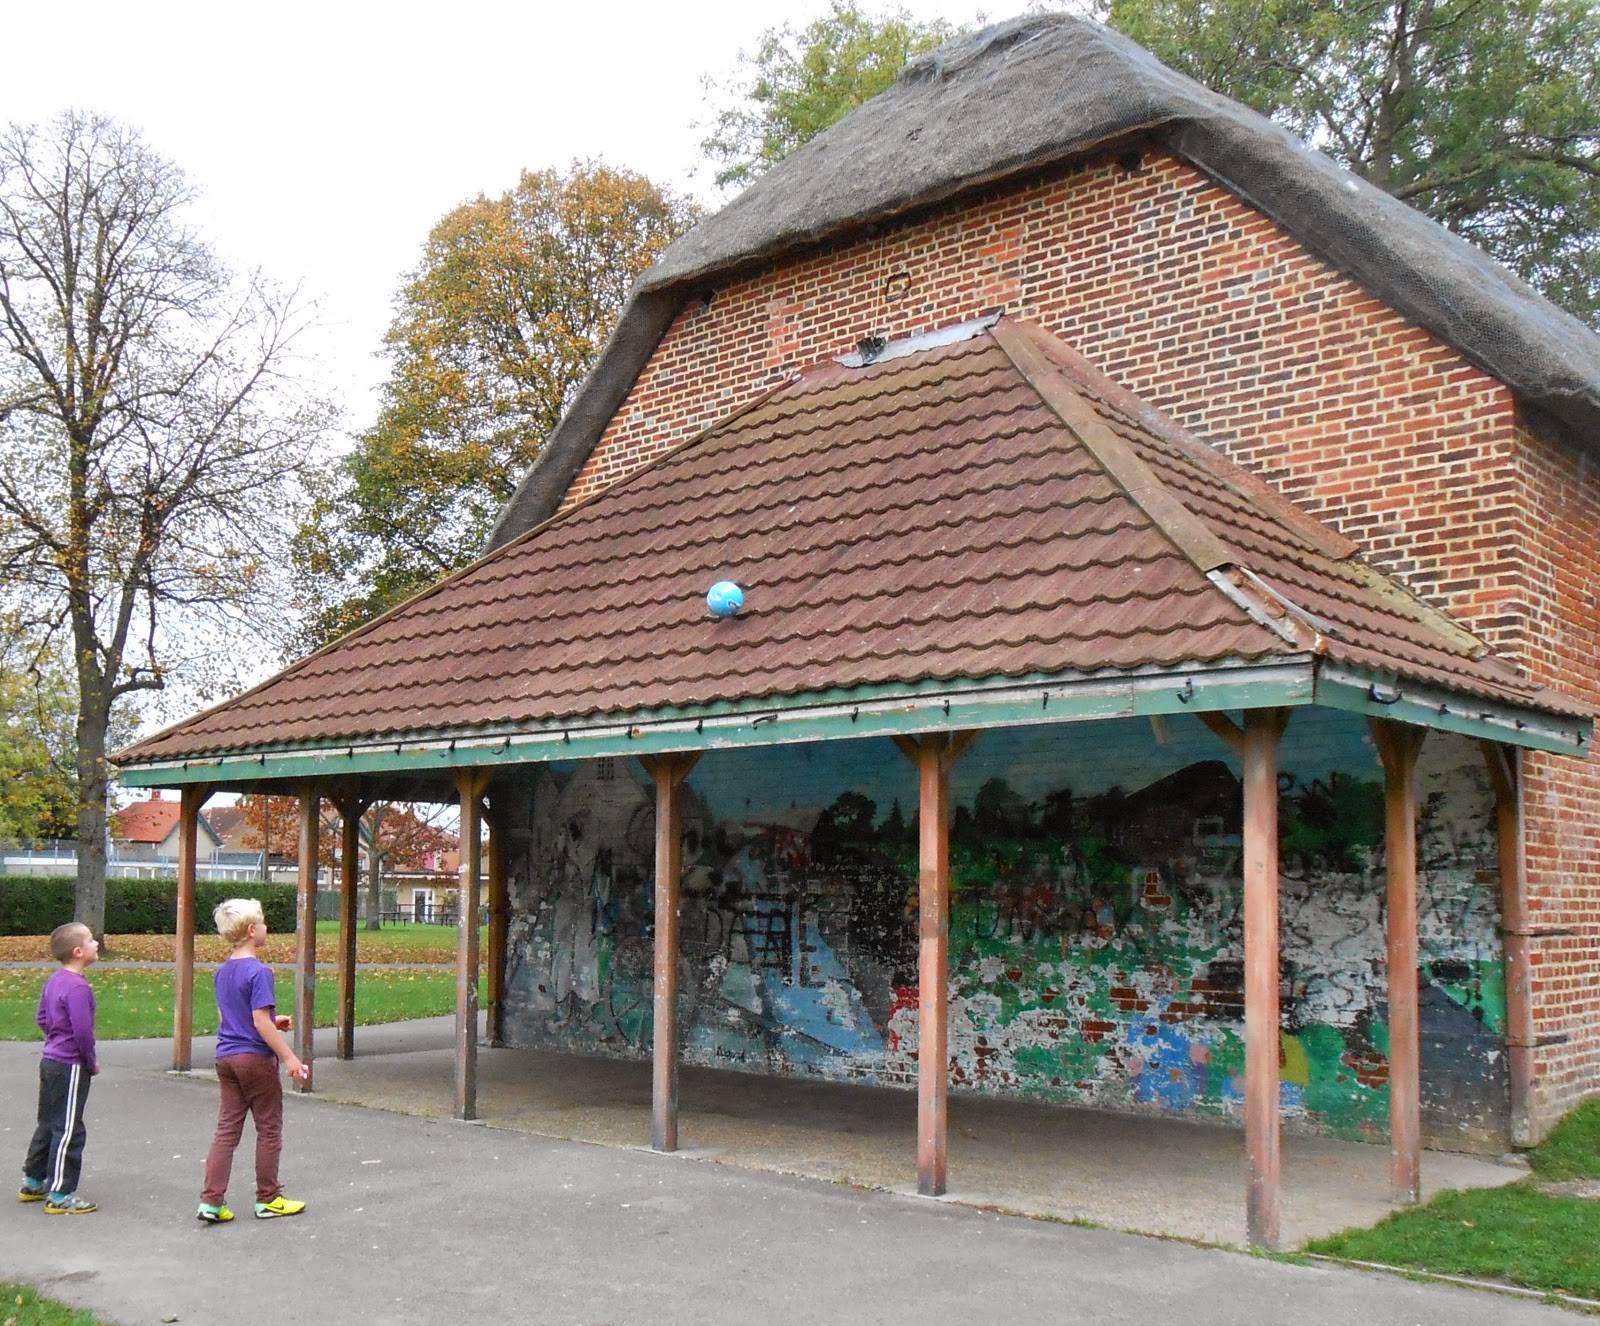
(725, 599)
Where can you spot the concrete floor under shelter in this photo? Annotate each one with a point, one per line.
(1137, 1173)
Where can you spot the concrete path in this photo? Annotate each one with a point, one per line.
(1137, 1173)
(417, 1220)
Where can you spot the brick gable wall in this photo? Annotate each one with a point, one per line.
(1209, 311)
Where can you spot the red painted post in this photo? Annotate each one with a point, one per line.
(499, 926)
(350, 811)
(1398, 745)
(669, 868)
(1262, 729)
(470, 785)
(933, 1026)
(1505, 774)
(192, 799)
(305, 951)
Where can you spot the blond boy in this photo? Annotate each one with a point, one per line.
(250, 1046)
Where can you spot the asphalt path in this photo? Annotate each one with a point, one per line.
(420, 1221)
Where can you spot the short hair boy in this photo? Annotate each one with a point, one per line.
(66, 1016)
(250, 1045)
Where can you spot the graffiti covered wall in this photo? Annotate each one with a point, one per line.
(1096, 946)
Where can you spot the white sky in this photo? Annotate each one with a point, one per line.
(326, 139)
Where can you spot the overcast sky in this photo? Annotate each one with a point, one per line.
(326, 139)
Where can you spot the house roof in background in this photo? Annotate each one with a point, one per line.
(151, 821)
(986, 508)
(1044, 90)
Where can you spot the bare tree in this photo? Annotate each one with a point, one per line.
(151, 435)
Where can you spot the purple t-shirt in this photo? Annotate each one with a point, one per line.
(243, 985)
(66, 1016)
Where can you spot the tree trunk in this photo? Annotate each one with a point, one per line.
(89, 896)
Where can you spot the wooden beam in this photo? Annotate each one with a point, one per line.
(192, 799)
(471, 784)
(1505, 776)
(351, 808)
(1227, 731)
(1398, 745)
(499, 924)
(668, 772)
(305, 946)
(1263, 729)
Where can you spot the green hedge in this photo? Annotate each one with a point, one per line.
(36, 905)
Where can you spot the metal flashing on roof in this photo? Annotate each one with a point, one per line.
(910, 345)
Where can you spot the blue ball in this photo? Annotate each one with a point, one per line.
(725, 599)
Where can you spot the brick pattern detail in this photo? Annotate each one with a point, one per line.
(1205, 308)
(1561, 798)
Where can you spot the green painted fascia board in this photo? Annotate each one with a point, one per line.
(837, 715)
(906, 711)
(1450, 711)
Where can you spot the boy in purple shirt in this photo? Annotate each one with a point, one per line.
(250, 1044)
(66, 1016)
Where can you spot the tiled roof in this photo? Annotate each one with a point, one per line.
(145, 821)
(985, 509)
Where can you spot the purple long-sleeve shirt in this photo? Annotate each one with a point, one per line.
(66, 1016)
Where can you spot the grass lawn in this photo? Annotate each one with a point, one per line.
(135, 1002)
(393, 943)
(1539, 1240)
(20, 1306)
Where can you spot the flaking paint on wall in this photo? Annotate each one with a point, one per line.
(1096, 931)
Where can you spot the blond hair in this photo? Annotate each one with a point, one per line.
(65, 938)
(235, 917)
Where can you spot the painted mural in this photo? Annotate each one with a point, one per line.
(1096, 928)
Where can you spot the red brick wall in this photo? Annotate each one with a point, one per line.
(1561, 798)
(1206, 309)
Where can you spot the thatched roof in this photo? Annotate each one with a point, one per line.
(1046, 89)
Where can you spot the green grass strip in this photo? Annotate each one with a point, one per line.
(1515, 1234)
(136, 1002)
(20, 1306)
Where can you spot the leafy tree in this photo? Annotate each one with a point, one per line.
(492, 334)
(38, 780)
(393, 837)
(798, 83)
(1485, 114)
(150, 435)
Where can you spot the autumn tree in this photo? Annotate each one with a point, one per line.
(491, 336)
(1485, 114)
(38, 773)
(798, 82)
(150, 435)
(393, 837)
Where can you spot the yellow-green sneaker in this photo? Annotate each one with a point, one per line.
(68, 1203)
(278, 1206)
(30, 1193)
(213, 1215)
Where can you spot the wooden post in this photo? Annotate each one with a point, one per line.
(351, 808)
(668, 772)
(192, 799)
(935, 754)
(499, 923)
(305, 949)
(1505, 774)
(1257, 746)
(471, 784)
(1398, 745)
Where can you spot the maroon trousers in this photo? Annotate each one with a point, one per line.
(250, 1085)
